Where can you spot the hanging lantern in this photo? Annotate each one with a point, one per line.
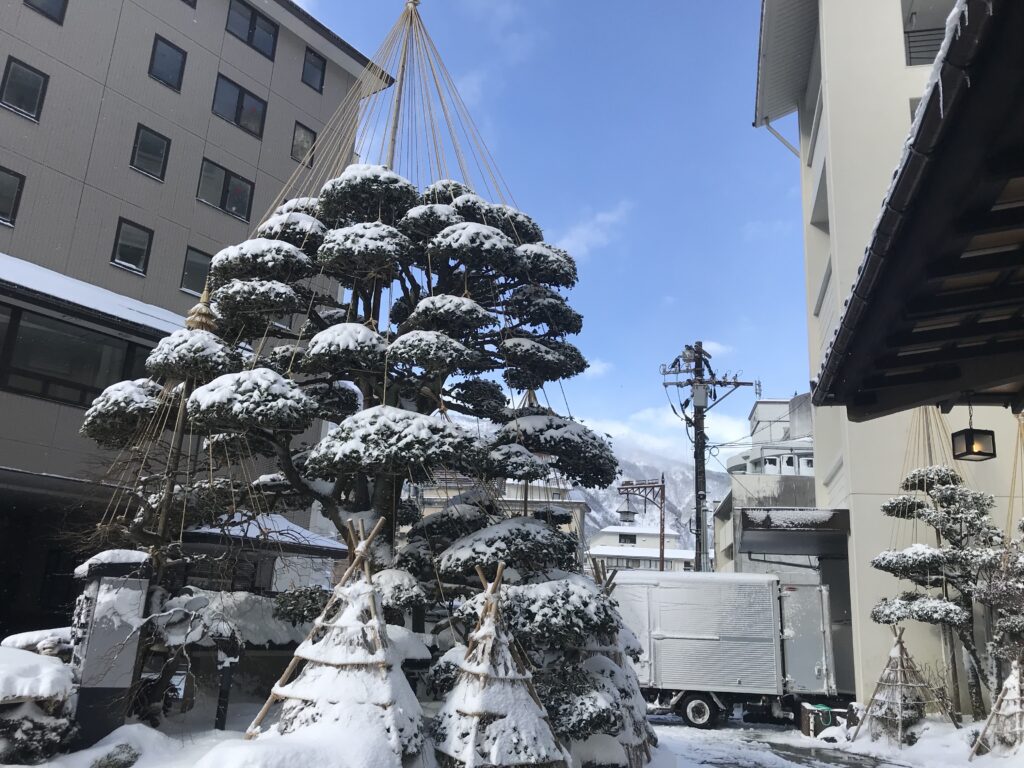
(626, 511)
(974, 444)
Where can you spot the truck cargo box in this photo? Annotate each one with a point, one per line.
(716, 632)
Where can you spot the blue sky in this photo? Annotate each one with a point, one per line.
(624, 129)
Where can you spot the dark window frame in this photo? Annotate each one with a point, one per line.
(184, 266)
(17, 196)
(627, 538)
(86, 393)
(242, 93)
(312, 156)
(121, 221)
(323, 69)
(11, 61)
(254, 16)
(59, 19)
(135, 148)
(228, 174)
(184, 62)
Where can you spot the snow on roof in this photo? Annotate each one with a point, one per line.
(652, 531)
(110, 557)
(643, 553)
(32, 277)
(272, 529)
(25, 675)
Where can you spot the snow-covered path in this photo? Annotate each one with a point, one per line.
(761, 747)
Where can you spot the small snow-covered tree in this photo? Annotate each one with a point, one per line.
(493, 716)
(949, 574)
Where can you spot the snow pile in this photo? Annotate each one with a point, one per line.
(387, 439)
(45, 641)
(260, 399)
(345, 345)
(29, 676)
(111, 557)
(789, 518)
(192, 352)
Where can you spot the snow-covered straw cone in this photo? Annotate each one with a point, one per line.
(492, 717)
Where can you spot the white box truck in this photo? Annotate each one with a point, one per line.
(713, 640)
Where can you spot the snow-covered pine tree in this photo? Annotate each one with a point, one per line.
(492, 716)
(948, 575)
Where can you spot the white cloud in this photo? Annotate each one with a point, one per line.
(595, 231)
(598, 368)
(658, 430)
(717, 348)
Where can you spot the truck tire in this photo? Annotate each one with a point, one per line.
(699, 710)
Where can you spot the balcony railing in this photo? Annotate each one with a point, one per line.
(922, 45)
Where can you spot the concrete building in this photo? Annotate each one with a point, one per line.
(549, 500)
(137, 138)
(631, 547)
(854, 74)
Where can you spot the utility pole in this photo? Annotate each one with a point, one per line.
(650, 490)
(694, 362)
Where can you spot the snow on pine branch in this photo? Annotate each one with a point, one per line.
(256, 399)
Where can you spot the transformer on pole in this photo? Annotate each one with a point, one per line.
(692, 370)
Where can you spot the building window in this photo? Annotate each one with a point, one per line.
(132, 245)
(11, 184)
(150, 152)
(252, 28)
(59, 361)
(302, 144)
(52, 9)
(627, 538)
(239, 106)
(314, 68)
(222, 189)
(167, 63)
(23, 88)
(197, 267)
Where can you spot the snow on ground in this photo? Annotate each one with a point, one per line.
(187, 742)
(26, 675)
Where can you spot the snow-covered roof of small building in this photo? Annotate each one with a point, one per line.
(642, 531)
(270, 530)
(642, 553)
(45, 282)
(111, 557)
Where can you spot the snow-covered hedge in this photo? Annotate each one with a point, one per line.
(121, 411)
(365, 193)
(192, 352)
(259, 259)
(344, 346)
(521, 542)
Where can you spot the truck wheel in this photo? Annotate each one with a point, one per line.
(699, 711)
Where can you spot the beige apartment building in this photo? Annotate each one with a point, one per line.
(854, 72)
(137, 138)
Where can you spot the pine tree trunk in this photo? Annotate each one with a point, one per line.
(972, 668)
(386, 490)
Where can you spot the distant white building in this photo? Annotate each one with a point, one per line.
(637, 548)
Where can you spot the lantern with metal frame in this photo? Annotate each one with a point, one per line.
(973, 444)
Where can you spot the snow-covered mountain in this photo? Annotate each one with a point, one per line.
(637, 464)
